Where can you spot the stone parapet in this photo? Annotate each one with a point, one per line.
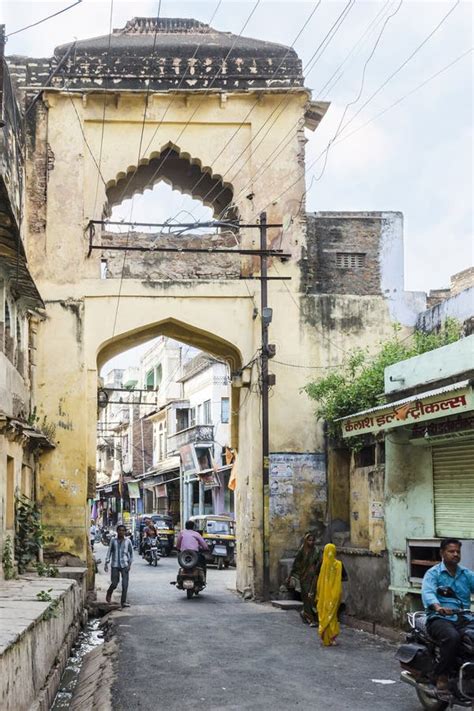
(36, 637)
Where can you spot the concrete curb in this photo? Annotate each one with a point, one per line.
(389, 633)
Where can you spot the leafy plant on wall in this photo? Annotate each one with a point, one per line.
(358, 383)
(29, 533)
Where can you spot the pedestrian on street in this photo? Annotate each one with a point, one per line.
(446, 590)
(303, 577)
(92, 533)
(120, 554)
(329, 596)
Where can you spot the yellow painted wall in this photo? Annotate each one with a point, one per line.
(78, 332)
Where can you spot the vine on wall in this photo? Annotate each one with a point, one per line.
(29, 533)
(358, 384)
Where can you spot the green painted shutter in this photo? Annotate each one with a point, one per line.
(453, 486)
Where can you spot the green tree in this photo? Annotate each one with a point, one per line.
(358, 383)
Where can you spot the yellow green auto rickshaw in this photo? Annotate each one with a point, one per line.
(219, 534)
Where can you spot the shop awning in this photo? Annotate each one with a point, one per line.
(448, 400)
(133, 490)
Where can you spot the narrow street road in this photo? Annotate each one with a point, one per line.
(218, 652)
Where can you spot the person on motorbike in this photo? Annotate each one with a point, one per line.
(446, 589)
(144, 526)
(191, 540)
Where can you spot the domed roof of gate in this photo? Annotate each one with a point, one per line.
(170, 53)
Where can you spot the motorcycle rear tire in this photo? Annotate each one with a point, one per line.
(149, 560)
(189, 594)
(429, 703)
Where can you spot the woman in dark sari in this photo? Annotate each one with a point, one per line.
(304, 570)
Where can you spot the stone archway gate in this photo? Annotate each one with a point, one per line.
(174, 100)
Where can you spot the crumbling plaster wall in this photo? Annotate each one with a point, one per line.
(87, 320)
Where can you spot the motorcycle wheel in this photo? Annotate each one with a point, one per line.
(220, 564)
(155, 562)
(189, 594)
(429, 703)
(149, 560)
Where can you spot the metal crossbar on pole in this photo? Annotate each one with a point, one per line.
(185, 250)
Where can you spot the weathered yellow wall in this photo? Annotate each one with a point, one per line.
(81, 308)
(367, 516)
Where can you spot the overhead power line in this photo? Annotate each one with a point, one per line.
(257, 101)
(307, 69)
(147, 96)
(104, 108)
(366, 103)
(49, 17)
(163, 161)
(289, 136)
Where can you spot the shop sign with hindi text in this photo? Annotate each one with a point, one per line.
(409, 413)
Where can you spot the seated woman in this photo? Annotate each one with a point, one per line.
(304, 571)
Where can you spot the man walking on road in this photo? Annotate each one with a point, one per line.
(120, 554)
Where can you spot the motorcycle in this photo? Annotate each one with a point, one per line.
(151, 553)
(105, 537)
(418, 658)
(191, 574)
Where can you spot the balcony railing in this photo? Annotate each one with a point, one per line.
(191, 435)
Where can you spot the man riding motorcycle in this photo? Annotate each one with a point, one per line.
(446, 588)
(191, 540)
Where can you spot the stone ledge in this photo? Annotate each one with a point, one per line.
(32, 648)
(288, 604)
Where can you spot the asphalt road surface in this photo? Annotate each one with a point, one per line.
(217, 652)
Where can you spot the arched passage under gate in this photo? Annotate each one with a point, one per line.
(244, 413)
(98, 303)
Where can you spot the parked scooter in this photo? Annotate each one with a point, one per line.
(191, 574)
(150, 552)
(418, 657)
(105, 537)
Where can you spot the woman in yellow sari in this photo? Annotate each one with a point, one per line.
(329, 595)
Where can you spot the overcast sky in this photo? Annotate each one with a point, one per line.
(416, 158)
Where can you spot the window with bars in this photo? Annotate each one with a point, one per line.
(350, 260)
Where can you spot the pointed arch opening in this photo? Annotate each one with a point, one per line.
(182, 172)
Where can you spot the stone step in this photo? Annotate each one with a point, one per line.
(288, 604)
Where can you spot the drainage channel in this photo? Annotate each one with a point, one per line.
(90, 637)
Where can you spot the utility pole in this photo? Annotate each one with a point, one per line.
(265, 314)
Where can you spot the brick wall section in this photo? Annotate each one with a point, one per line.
(169, 266)
(330, 234)
(462, 280)
(436, 296)
(137, 460)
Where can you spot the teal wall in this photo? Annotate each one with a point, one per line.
(409, 511)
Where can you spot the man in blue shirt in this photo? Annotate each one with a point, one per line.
(120, 554)
(446, 589)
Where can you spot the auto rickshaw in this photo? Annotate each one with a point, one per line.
(165, 529)
(219, 534)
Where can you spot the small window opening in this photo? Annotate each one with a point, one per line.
(350, 260)
(366, 456)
